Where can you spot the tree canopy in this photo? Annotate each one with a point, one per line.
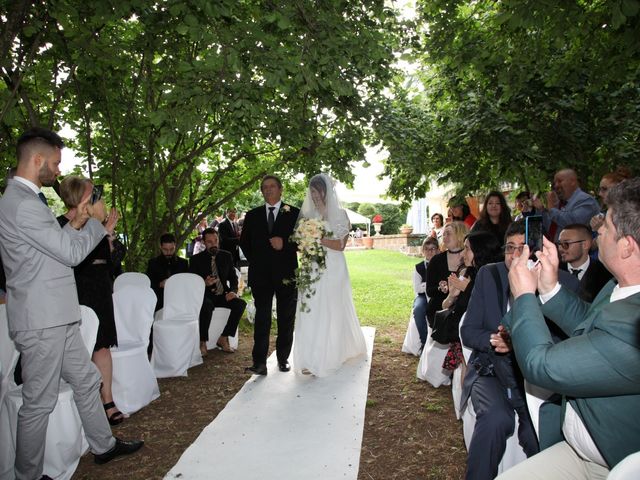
(182, 105)
(510, 91)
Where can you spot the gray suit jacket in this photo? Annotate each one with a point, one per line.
(38, 256)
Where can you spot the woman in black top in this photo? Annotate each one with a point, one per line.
(94, 282)
(495, 216)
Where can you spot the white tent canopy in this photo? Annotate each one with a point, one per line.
(355, 217)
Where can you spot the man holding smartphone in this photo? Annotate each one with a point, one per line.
(596, 370)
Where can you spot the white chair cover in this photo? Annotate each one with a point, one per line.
(176, 336)
(219, 319)
(65, 441)
(412, 343)
(8, 357)
(88, 327)
(627, 469)
(131, 278)
(513, 453)
(430, 364)
(134, 384)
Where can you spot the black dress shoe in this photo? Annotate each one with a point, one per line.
(121, 448)
(257, 369)
(284, 367)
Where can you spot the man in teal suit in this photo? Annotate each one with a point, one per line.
(597, 369)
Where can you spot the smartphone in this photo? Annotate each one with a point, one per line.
(96, 193)
(533, 234)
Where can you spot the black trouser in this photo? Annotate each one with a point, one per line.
(495, 422)
(209, 304)
(286, 299)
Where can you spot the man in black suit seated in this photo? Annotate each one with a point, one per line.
(221, 286)
(160, 268)
(229, 233)
(574, 244)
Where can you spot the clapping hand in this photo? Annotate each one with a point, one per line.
(457, 284)
(111, 221)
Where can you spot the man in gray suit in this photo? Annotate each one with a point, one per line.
(42, 305)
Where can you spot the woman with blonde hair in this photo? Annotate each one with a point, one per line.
(443, 265)
(94, 282)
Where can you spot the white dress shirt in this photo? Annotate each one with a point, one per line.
(582, 268)
(275, 210)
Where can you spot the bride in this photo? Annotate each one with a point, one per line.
(327, 330)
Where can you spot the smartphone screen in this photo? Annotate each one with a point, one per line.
(96, 193)
(533, 233)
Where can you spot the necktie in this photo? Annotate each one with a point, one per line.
(575, 272)
(271, 219)
(214, 273)
(43, 198)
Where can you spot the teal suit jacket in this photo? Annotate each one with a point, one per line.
(597, 370)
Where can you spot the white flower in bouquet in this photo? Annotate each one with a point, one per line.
(312, 255)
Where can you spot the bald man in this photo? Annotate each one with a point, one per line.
(568, 204)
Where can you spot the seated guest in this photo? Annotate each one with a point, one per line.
(524, 205)
(574, 244)
(160, 268)
(429, 249)
(567, 204)
(607, 181)
(443, 265)
(229, 233)
(221, 287)
(492, 382)
(438, 227)
(495, 216)
(460, 211)
(596, 369)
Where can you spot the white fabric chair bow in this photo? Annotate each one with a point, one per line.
(412, 343)
(65, 441)
(134, 384)
(131, 278)
(176, 335)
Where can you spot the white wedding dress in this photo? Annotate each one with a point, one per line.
(329, 333)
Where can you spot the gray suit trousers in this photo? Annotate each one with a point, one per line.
(48, 355)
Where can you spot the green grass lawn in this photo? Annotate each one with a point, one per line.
(382, 287)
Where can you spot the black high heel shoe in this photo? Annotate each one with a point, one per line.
(116, 418)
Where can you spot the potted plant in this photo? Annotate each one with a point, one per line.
(406, 229)
(377, 222)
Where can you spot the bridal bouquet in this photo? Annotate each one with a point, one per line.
(312, 259)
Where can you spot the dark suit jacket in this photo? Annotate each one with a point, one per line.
(593, 280)
(596, 369)
(200, 264)
(228, 239)
(484, 315)
(159, 269)
(268, 267)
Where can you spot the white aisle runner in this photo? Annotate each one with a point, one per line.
(286, 426)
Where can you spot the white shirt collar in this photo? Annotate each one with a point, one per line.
(28, 183)
(582, 268)
(620, 293)
(277, 205)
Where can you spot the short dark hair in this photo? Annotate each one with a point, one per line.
(37, 136)
(167, 238)
(485, 247)
(581, 227)
(430, 241)
(438, 215)
(515, 228)
(523, 194)
(209, 231)
(270, 177)
(624, 202)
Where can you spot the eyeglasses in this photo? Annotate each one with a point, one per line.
(566, 245)
(512, 248)
(431, 249)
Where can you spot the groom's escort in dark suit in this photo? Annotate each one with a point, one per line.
(215, 295)
(268, 267)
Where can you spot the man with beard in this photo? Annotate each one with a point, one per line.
(160, 268)
(221, 290)
(42, 305)
(567, 204)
